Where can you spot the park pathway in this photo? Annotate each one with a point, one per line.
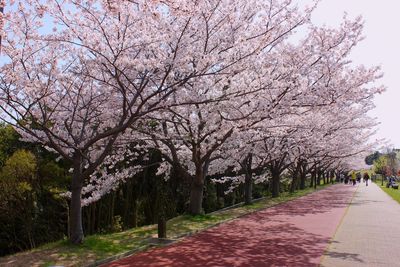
(296, 233)
(369, 234)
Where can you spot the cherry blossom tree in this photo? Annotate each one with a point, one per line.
(321, 96)
(190, 136)
(213, 85)
(78, 74)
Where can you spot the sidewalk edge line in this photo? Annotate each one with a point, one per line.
(330, 242)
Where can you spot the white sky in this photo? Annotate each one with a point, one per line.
(381, 47)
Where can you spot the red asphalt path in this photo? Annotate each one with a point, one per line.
(295, 233)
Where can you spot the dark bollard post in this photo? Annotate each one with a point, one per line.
(162, 227)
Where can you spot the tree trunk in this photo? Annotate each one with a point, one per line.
(196, 193)
(302, 180)
(248, 182)
(135, 213)
(315, 179)
(338, 174)
(332, 177)
(275, 182)
(76, 229)
(127, 203)
(303, 176)
(295, 178)
(87, 215)
(99, 216)
(248, 189)
(293, 184)
(319, 177)
(111, 209)
(312, 179)
(93, 217)
(68, 220)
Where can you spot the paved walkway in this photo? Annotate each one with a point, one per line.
(296, 233)
(369, 234)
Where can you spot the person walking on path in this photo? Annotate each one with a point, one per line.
(353, 177)
(366, 178)
(358, 175)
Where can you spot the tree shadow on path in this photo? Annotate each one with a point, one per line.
(353, 257)
(291, 234)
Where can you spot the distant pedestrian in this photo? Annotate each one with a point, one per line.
(358, 175)
(353, 177)
(366, 177)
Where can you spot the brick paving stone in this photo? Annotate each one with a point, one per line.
(369, 234)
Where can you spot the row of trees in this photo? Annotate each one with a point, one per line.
(385, 163)
(33, 212)
(215, 88)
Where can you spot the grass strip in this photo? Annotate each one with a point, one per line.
(394, 193)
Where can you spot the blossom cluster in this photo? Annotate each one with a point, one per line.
(212, 85)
